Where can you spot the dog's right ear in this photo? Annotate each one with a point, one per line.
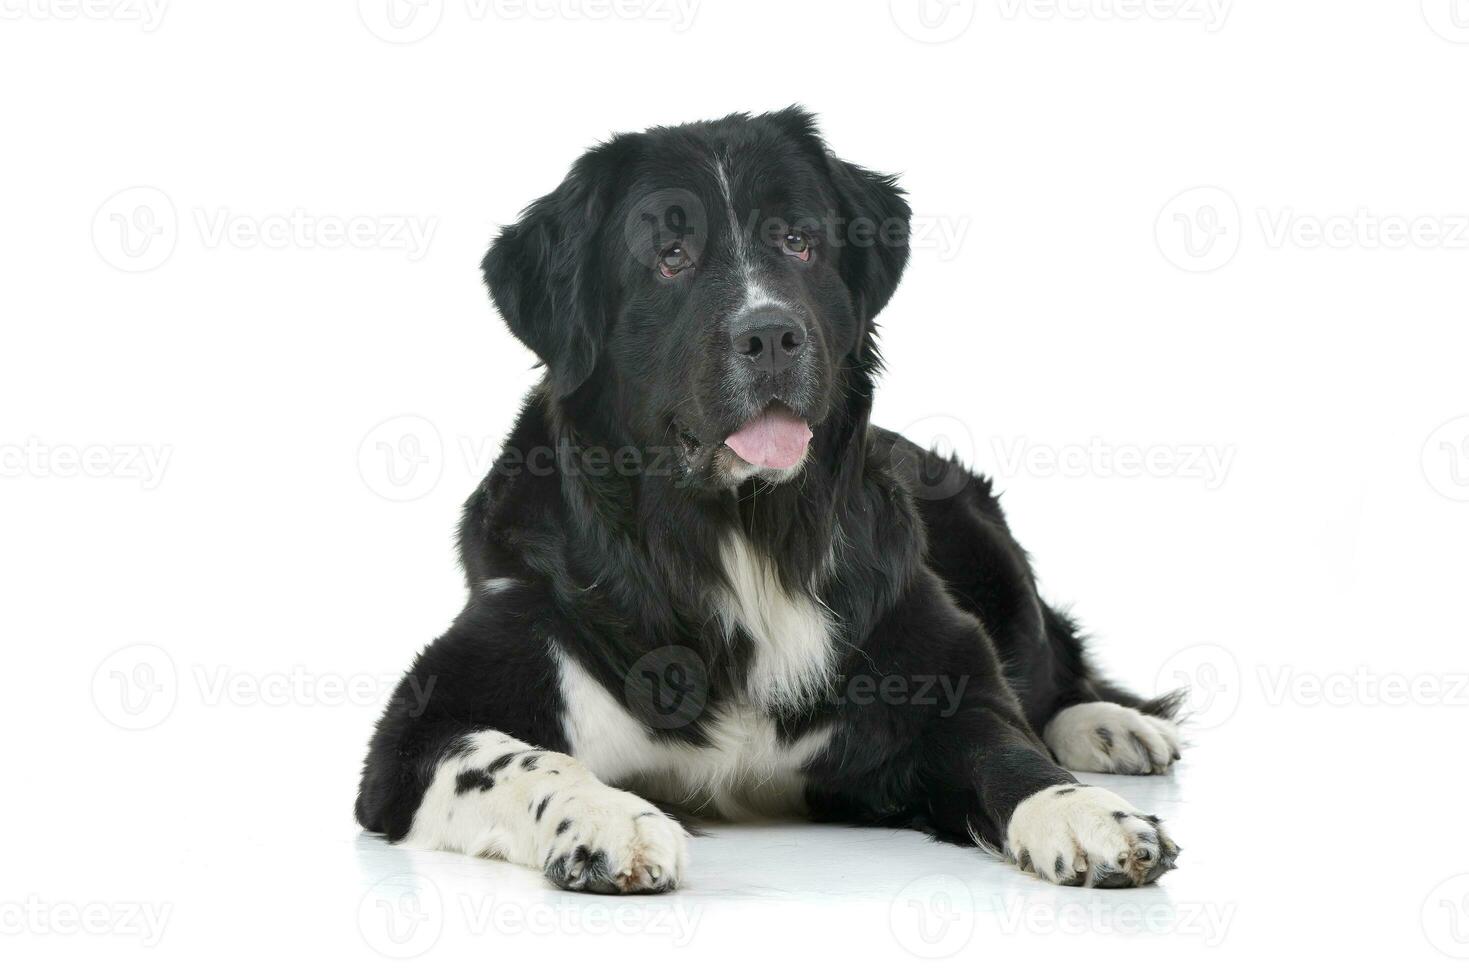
(546, 275)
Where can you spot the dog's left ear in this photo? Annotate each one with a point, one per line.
(545, 273)
(875, 234)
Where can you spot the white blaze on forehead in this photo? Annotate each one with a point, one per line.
(722, 175)
(757, 293)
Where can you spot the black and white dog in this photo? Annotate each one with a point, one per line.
(699, 574)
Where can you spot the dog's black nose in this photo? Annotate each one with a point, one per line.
(769, 338)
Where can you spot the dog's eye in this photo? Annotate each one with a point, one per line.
(797, 243)
(673, 260)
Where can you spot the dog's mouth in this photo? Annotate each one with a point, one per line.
(775, 440)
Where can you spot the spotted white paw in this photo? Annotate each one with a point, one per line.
(1086, 835)
(608, 841)
(1106, 737)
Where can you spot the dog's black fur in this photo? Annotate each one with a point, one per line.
(615, 556)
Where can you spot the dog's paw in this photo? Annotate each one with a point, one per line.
(608, 841)
(1086, 835)
(1105, 737)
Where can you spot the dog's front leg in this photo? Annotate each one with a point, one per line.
(1047, 823)
(494, 796)
(982, 772)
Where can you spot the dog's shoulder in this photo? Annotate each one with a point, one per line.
(519, 501)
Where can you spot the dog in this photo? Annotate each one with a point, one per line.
(699, 575)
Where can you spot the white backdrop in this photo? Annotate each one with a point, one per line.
(1189, 281)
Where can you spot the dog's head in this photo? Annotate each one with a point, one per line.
(703, 289)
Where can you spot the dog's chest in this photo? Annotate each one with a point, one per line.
(745, 768)
(789, 634)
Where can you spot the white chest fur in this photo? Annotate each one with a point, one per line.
(745, 770)
(791, 634)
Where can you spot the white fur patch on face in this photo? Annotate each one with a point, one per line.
(757, 297)
(1106, 737)
(1086, 835)
(757, 293)
(739, 471)
(495, 796)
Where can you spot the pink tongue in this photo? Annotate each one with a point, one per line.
(774, 439)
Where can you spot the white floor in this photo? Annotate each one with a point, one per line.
(285, 883)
